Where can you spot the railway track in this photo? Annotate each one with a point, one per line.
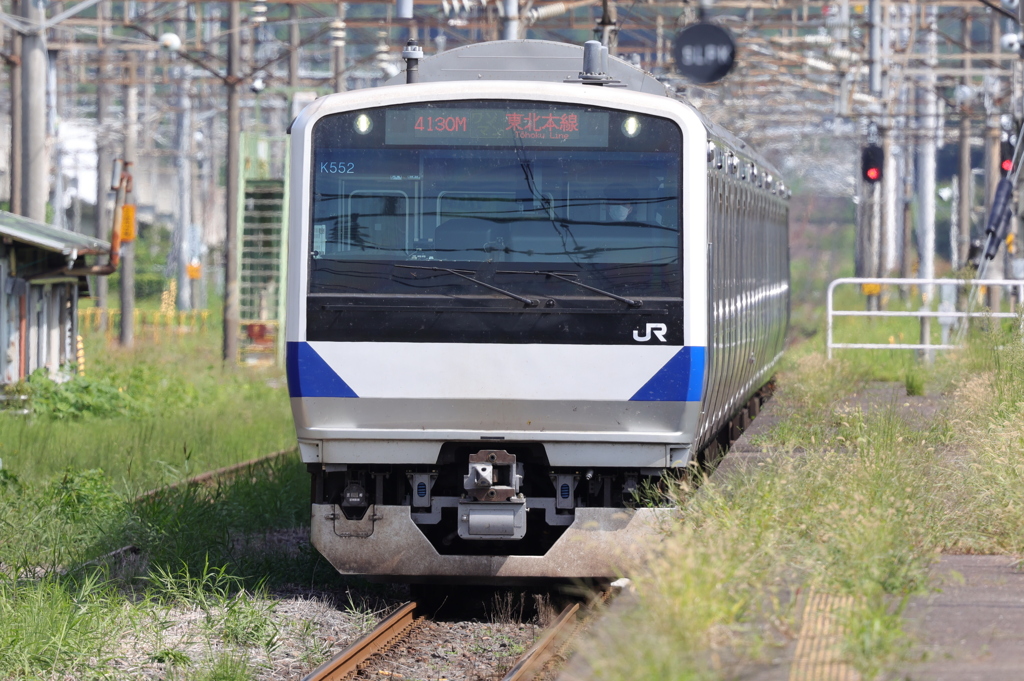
(548, 652)
(209, 477)
(347, 662)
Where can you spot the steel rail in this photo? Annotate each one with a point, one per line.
(348, 661)
(210, 476)
(535, 658)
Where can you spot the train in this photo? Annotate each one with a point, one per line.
(522, 291)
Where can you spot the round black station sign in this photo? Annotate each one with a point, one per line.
(704, 52)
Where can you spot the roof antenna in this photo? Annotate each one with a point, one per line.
(412, 55)
(592, 57)
(595, 66)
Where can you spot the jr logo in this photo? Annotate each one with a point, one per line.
(659, 331)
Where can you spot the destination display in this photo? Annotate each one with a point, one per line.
(505, 127)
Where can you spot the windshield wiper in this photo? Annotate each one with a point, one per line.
(528, 302)
(627, 301)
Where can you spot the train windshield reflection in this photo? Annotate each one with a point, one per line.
(609, 215)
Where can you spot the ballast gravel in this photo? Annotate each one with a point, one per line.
(451, 651)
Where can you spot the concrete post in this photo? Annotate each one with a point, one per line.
(183, 163)
(875, 47)
(339, 54)
(104, 155)
(889, 180)
(231, 300)
(131, 138)
(294, 39)
(510, 28)
(964, 179)
(929, 112)
(14, 166)
(35, 188)
(993, 133)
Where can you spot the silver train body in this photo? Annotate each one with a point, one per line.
(516, 294)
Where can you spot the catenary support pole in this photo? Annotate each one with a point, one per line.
(993, 132)
(131, 139)
(929, 113)
(16, 131)
(294, 39)
(35, 188)
(339, 52)
(104, 153)
(231, 301)
(608, 23)
(964, 178)
(183, 166)
(875, 47)
(510, 29)
(889, 180)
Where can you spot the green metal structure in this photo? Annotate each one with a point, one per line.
(262, 248)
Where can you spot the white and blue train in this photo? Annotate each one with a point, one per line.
(519, 289)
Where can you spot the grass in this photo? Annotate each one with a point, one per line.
(852, 501)
(863, 512)
(206, 556)
(194, 599)
(148, 416)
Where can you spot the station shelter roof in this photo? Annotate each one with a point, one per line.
(48, 237)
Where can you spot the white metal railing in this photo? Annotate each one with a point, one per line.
(947, 312)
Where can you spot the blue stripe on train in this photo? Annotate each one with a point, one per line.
(310, 376)
(680, 380)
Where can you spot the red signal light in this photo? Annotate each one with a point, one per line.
(871, 160)
(1007, 165)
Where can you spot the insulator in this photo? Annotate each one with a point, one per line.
(259, 13)
(338, 33)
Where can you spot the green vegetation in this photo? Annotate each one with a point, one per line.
(73, 602)
(863, 512)
(147, 416)
(70, 606)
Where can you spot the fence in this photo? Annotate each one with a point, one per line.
(946, 313)
(154, 322)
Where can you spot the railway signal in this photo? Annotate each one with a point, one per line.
(872, 158)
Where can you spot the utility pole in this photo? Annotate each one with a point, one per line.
(875, 48)
(929, 113)
(35, 164)
(889, 180)
(183, 231)
(231, 301)
(104, 154)
(964, 179)
(131, 138)
(14, 166)
(608, 25)
(510, 29)
(993, 133)
(338, 42)
(294, 40)
(183, 163)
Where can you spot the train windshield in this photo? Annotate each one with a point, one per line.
(500, 190)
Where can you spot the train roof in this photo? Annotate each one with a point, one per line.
(550, 61)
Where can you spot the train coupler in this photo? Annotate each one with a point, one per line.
(493, 507)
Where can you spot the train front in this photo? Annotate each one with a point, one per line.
(489, 356)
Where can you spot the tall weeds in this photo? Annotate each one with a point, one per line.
(862, 510)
